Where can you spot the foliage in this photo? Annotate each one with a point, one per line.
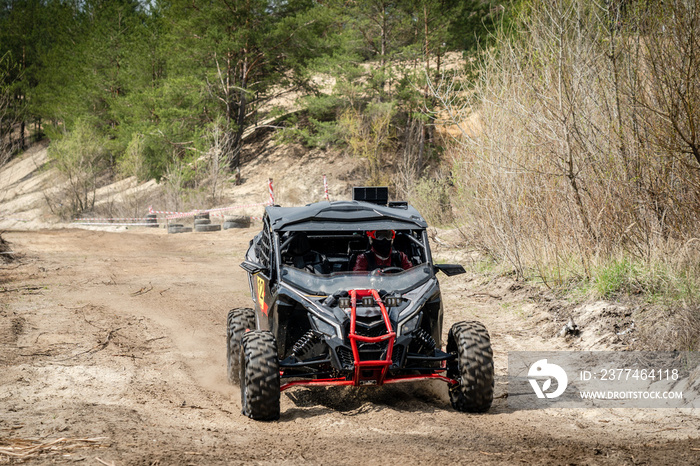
(80, 157)
(369, 135)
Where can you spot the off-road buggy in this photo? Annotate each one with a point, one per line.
(316, 322)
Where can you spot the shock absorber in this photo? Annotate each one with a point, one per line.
(423, 342)
(305, 344)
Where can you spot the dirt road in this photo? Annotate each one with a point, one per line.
(115, 342)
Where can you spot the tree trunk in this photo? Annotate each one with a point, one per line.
(237, 142)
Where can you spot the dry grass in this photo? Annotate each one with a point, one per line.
(574, 158)
(13, 449)
(585, 170)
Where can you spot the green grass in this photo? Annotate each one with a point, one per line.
(655, 282)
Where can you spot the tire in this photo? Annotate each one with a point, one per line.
(201, 216)
(207, 227)
(178, 229)
(260, 376)
(152, 221)
(201, 221)
(473, 367)
(239, 321)
(240, 221)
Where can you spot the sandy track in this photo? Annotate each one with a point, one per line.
(121, 336)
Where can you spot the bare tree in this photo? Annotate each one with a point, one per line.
(589, 133)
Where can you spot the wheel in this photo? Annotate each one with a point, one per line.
(201, 221)
(239, 321)
(260, 376)
(207, 227)
(473, 367)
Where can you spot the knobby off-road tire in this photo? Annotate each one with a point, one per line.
(239, 321)
(260, 376)
(473, 367)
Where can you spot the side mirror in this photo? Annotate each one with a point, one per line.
(449, 269)
(251, 267)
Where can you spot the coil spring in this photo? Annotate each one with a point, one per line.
(305, 343)
(423, 341)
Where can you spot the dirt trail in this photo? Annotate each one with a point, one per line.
(120, 337)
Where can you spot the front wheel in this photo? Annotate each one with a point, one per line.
(260, 376)
(473, 367)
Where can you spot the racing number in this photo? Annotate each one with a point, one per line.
(261, 294)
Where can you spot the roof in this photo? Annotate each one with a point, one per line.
(344, 216)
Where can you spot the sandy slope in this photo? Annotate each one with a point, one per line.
(297, 175)
(119, 337)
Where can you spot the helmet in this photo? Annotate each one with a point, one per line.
(381, 242)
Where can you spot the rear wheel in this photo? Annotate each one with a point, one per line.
(239, 321)
(473, 367)
(260, 376)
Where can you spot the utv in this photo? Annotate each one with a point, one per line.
(315, 321)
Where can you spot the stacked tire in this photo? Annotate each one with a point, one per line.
(237, 221)
(178, 228)
(202, 223)
(152, 221)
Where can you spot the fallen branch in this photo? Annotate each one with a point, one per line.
(154, 339)
(488, 295)
(104, 462)
(97, 347)
(22, 288)
(143, 290)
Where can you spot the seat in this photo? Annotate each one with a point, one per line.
(355, 248)
(297, 252)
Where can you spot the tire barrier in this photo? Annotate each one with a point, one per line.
(202, 217)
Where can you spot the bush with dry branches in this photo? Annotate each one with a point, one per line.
(588, 147)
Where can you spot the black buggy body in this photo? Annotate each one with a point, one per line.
(315, 321)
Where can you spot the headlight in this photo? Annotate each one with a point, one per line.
(411, 324)
(393, 301)
(323, 326)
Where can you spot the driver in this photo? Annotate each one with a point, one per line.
(380, 254)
